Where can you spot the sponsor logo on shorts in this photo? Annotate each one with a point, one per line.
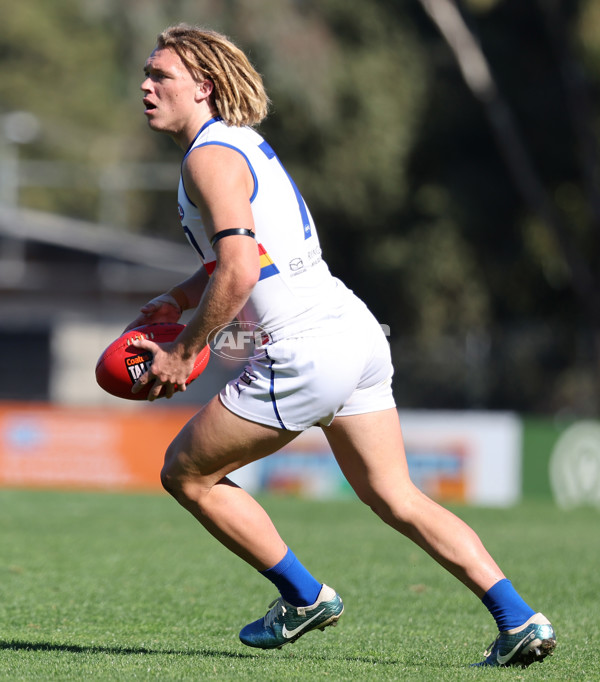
(246, 378)
(238, 340)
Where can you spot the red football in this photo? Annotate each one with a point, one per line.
(122, 364)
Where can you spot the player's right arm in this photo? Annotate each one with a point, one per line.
(219, 183)
(168, 307)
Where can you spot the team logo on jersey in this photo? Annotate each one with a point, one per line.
(180, 211)
(238, 340)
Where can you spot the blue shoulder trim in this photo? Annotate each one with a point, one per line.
(267, 150)
(239, 151)
(210, 121)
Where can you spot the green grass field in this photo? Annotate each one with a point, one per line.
(129, 587)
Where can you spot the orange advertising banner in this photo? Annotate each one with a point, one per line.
(51, 446)
(454, 457)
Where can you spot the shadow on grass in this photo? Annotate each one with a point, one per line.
(14, 645)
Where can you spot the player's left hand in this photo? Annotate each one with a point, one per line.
(169, 370)
(162, 309)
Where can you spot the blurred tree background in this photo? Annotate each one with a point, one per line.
(465, 212)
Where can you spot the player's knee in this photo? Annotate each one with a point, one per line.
(394, 509)
(183, 488)
(179, 482)
(172, 481)
(377, 503)
(170, 475)
(167, 480)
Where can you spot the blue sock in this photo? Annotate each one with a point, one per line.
(506, 605)
(295, 584)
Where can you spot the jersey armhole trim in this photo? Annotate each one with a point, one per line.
(235, 149)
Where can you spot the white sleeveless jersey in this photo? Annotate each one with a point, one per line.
(295, 285)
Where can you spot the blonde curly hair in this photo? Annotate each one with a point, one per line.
(239, 94)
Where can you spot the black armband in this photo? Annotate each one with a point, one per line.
(231, 232)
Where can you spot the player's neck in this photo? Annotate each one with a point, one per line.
(187, 135)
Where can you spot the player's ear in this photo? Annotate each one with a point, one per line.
(204, 89)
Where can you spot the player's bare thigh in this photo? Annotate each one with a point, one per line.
(216, 442)
(370, 451)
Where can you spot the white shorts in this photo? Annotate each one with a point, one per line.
(293, 383)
